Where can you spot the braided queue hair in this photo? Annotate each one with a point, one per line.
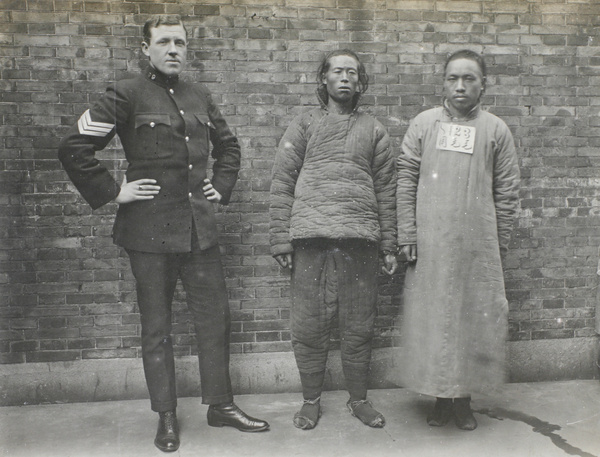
(363, 78)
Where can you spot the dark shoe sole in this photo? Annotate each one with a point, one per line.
(436, 423)
(467, 425)
(166, 449)
(250, 430)
(440, 420)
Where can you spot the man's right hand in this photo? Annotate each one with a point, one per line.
(285, 260)
(141, 189)
(409, 252)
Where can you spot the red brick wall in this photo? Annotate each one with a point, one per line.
(67, 292)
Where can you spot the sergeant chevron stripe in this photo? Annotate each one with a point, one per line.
(88, 127)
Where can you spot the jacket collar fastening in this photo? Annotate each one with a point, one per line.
(161, 79)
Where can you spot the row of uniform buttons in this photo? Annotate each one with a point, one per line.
(172, 91)
(187, 137)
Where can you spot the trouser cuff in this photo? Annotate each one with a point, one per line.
(215, 400)
(164, 406)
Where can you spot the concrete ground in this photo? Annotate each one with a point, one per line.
(545, 419)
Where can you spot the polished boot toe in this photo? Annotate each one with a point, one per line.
(231, 415)
(167, 435)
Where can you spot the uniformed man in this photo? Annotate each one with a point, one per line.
(165, 219)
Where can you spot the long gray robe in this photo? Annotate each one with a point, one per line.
(459, 209)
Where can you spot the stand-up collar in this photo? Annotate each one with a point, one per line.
(160, 78)
(470, 115)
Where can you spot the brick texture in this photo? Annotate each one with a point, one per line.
(67, 292)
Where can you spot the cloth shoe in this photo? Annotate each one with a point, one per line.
(363, 409)
(308, 416)
(167, 435)
(229, 414)
(442, 412)
(463, 414)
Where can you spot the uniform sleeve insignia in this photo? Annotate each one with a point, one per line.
(88, 127)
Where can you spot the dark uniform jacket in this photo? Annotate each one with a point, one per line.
(165, 126)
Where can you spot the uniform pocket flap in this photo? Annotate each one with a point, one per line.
(152, 119)
(204, 119)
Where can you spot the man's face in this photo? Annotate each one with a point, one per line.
(342, 78)
(167, 49)
(463, 85)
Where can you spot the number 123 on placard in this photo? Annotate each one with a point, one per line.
(453, 137)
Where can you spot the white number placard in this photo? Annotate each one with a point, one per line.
(454, 137)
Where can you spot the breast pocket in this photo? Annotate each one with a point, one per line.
(206, 127)
(154, 136)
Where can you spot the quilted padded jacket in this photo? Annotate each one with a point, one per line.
(333, 177)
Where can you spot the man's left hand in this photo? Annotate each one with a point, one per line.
(390, 264)
(211, 194)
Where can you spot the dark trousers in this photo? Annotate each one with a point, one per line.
(332, 278)
(201, 274)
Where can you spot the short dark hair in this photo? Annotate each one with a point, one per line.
(467, 54)
(161, 19)
(363, 78)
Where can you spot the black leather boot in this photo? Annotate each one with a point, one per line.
(229, 414)
(167, 435)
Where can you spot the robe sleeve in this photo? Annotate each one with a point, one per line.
(408, 169)
(506, 185)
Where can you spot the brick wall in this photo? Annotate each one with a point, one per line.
(66, 290)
